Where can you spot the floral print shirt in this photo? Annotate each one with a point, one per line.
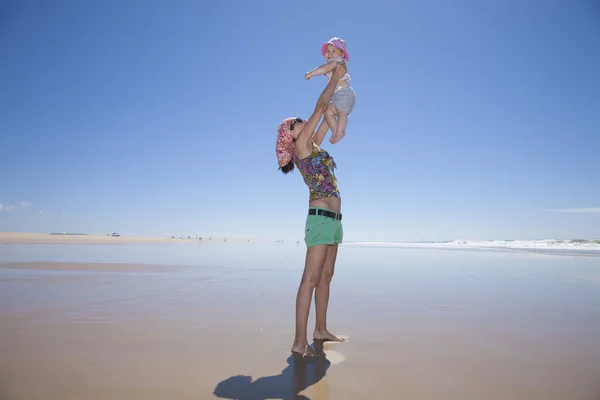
(317, 171)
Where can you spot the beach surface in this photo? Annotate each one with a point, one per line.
(66, 238)
(148, 321)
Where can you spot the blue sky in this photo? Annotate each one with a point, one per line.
(474, 119)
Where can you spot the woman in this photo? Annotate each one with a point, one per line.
(298, 145)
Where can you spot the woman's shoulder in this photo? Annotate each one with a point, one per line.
(306, 152)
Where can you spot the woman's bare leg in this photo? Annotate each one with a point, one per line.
(313, 268)
(322, 296)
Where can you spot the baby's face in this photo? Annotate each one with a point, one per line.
(332, 52)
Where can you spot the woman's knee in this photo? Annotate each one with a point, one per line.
(327, 274)
(311, 280)
(315, 261)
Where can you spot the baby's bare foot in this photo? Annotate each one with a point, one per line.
(337, 137)
(327, 336)
(303, 350)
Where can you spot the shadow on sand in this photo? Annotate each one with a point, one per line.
(297, 376)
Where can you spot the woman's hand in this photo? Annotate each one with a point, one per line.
(339, 70)
(309, 127)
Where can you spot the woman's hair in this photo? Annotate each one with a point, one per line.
(287, 168)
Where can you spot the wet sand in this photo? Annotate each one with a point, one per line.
(422, 325)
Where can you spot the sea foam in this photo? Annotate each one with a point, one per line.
(545, 244)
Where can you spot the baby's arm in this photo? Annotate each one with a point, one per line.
(323, 69)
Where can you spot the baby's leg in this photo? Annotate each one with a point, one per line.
(340, 132)
(330, 117)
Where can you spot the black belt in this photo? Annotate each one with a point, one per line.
(325, 213)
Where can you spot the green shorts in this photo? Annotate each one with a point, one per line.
(322, 230)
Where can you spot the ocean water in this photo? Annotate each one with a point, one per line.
(586, 247)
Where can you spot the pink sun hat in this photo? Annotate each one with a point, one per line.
(337, 43)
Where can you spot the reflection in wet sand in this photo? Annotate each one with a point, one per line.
(423, 324)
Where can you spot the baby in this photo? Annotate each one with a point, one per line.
(344, 98)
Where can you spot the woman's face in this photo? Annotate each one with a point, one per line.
(296, 127)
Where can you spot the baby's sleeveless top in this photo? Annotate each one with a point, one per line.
(317, 171)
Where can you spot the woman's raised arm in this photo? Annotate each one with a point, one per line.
(310, 125)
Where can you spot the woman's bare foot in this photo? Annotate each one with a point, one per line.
(327, 336)
(303, 350)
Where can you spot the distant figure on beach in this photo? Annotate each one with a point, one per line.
(298, 144)
(344, 98)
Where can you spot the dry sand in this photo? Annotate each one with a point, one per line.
(41, 238)
(152, 335)
(105, 267)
